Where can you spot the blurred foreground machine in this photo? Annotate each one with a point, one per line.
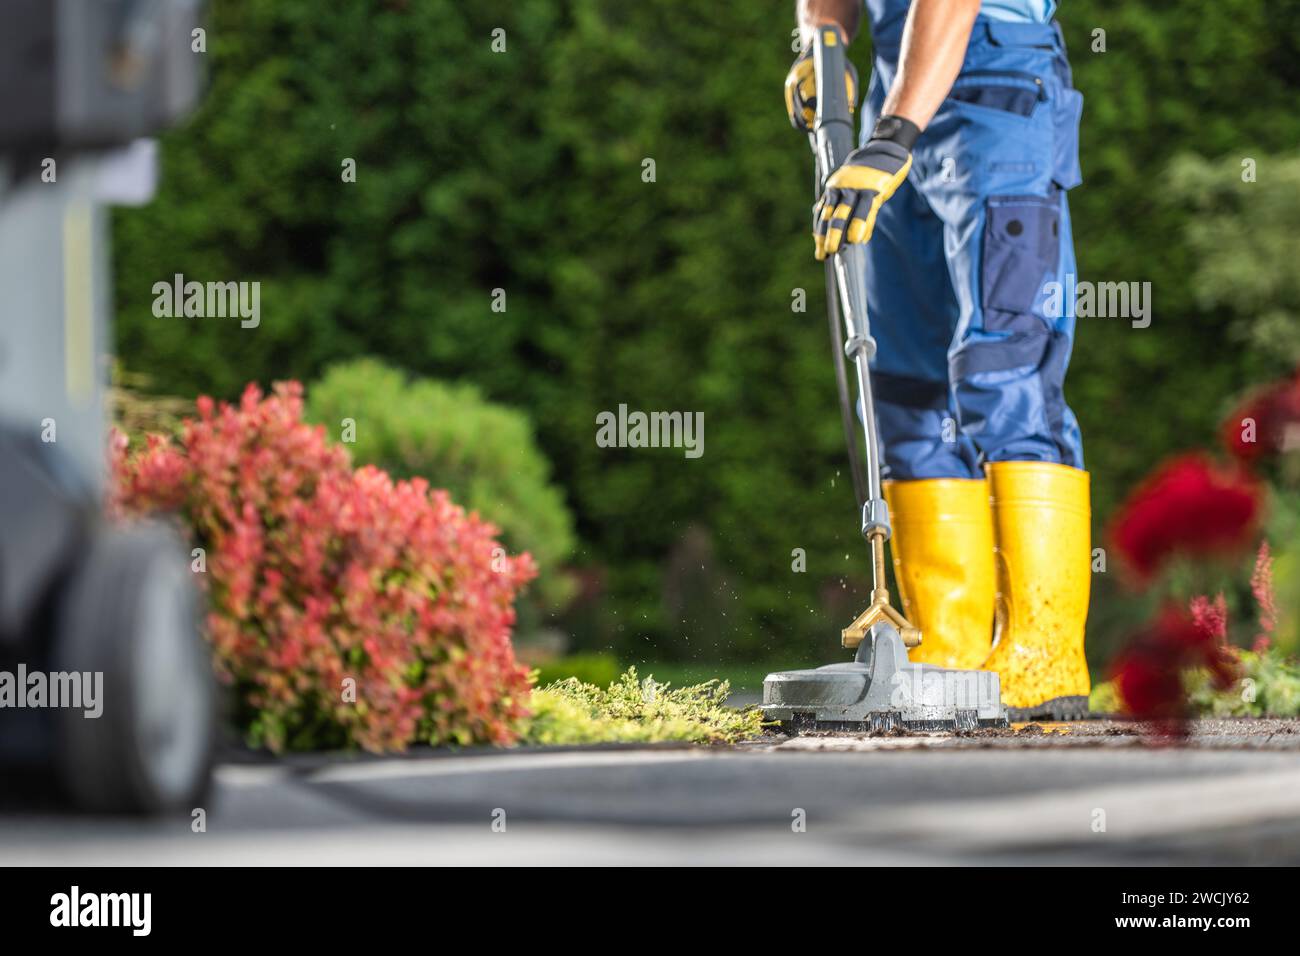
(81, 82)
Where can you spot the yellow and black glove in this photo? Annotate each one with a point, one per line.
(856, 191)
(801, 89)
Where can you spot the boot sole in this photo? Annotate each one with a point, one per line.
(1058, 708)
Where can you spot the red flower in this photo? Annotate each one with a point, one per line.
(1151, 689)
(1266, 424)
(1148, 675)
(1189, 506)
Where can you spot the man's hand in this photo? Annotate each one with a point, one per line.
(801, 90)
(855, 192)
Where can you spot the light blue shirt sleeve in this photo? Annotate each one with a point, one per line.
(1019, 11)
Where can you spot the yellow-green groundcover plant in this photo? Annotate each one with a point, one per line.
(632, 710)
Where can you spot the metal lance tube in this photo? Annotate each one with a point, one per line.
(831, 141)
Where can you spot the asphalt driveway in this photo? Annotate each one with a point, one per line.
(1076, 794)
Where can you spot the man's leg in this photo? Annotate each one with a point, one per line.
(1042, 529)
(1011, 350)
(996, 156)
(913, 315)
(942, 539)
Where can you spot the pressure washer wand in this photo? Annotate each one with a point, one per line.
(832, 140)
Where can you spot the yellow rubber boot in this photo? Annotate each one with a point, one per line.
(1041, 526)
(942, 544)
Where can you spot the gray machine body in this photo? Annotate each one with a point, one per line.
(62, 85)
(80, 82)
(53, 311)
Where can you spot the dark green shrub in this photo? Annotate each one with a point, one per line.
(599, 669)
(484, 454)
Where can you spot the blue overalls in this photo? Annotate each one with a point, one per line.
(971, 364)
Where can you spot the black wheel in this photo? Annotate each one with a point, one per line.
(129, 611)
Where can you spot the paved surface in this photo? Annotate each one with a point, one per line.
(1072, 794)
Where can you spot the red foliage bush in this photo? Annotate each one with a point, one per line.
(1190, 507)
(318, 574)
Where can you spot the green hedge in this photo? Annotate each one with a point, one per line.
(484, 454)
(522, 171)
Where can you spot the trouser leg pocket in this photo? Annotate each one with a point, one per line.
(1021, 244)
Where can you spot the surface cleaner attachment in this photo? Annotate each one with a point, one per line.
(880, 689)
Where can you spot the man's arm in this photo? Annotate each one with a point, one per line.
(819, 13)
(934, 45)
(801, 81)
(935, 38)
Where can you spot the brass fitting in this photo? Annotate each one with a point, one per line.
(880, 609)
